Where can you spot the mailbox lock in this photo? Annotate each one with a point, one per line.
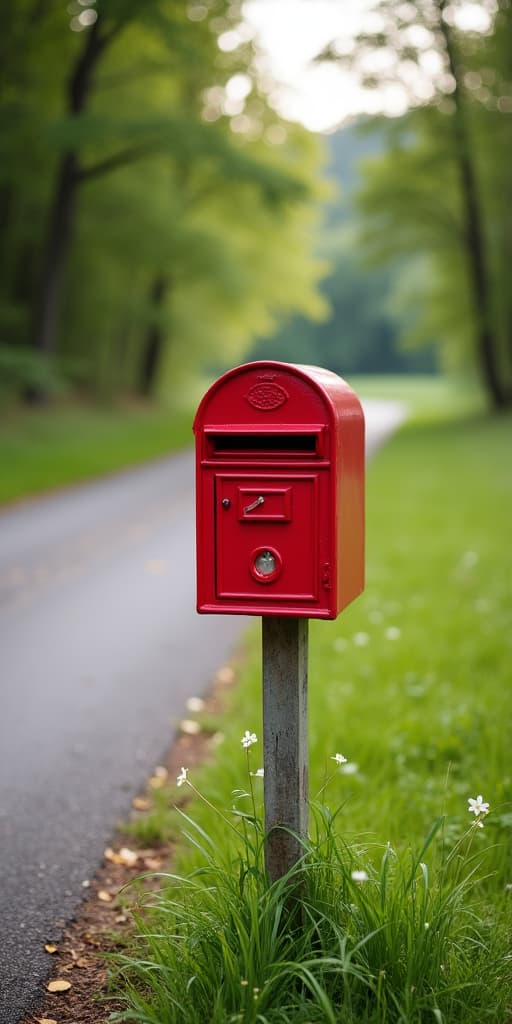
(226, 503)
(265, 565)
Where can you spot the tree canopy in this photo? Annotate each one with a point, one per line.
(440, 195)
(148, 194)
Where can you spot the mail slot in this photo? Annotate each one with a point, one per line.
(279, 492)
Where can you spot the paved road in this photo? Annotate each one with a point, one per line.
(99, 648)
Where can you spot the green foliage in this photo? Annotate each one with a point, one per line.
(404, 213)
(22, 371)
(438, 201)
(139, 174)
(360, 333)
(44, 449)
(336, 940)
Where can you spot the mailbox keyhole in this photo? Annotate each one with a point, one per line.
(226, 503)
(265, 565)
(250, 508)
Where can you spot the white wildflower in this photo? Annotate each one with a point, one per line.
(477, 806)
(361, 639)
(375, 616)
(359, 877)
(350, 768)
(248, 739)
(393, 633)
(469, 559)
(182, 777)
(339, 758)
(258, 774)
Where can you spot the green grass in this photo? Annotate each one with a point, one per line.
(426, 397)
(327, 943)
(48, 448)
(412, 685)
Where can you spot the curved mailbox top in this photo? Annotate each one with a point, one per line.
(272, 392)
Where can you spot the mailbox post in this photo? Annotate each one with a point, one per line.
(280, 533)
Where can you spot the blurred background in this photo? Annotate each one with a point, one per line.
(184, 186)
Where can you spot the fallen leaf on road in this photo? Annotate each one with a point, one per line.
(45, 1020)
(125, 856)
(190, 727)
(50, 948)
(141, 803)
(59, 985)
(83, 962)
(152, 864)
(195, 704)
(105, 896)
(225, 676)
(158, 777)
(156, 566)
(128, 857)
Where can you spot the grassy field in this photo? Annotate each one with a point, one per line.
(412, 685)
(47, 448)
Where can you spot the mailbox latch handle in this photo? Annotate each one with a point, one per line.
(250, 508)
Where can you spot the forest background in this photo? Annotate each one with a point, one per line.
(161, 220)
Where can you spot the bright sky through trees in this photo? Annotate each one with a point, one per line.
(292, 32)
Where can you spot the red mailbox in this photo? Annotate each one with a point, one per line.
(280, 492)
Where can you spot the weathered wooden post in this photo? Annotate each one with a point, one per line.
(285, 740)
(280, 533)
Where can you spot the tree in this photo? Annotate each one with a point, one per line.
(360, 332)
(100, 30)
(444, 129)
(147, 181)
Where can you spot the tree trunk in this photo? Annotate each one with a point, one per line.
(57, 248)
(63, 204)
(486, 342)
(154, 340)
(6, 198)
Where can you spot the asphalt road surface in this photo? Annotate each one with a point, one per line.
(100, 646)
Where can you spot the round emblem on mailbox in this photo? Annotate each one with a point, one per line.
(266, 395)
(265, 564)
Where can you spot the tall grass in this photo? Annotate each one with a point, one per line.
(351, 934)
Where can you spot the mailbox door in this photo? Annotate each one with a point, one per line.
(267, 544)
